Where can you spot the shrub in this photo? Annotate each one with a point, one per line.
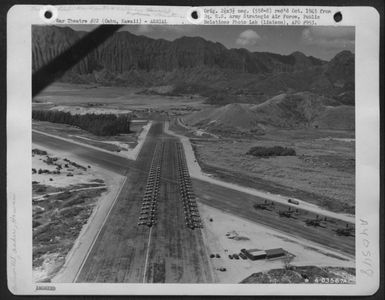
(78, 200)
(35, 223)
(63, 196)
(39, 152)
(271, 151)
(70, 212)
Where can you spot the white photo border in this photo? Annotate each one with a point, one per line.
(19, 206)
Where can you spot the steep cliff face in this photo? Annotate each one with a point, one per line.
(127, 59)
(125, 51)
(50, 41)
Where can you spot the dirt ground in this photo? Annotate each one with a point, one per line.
(322, 172)
(68, 175)
(227, 234)
(62, 206)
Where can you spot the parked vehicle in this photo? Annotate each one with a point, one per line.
(292, 201)
(241, 255)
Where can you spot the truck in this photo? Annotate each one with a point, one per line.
(292, 201)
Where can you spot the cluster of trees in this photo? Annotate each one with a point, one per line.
(98, 124)
(39, 152)
(75, 164)
(271, 151)
(44, 171)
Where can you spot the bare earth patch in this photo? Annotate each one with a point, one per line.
(65, 193)
(226, 234)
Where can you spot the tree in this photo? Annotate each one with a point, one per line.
(98, 124)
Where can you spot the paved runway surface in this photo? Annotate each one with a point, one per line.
(105, 160)
(169, 251)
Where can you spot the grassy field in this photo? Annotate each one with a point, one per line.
(322, 172)
(108, 97)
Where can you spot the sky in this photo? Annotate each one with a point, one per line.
(323, 42)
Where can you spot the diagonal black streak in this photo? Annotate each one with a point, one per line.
(63, 62)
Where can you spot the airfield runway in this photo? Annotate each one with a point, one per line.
(242, 205)
(105, 160)
(166, 252)
(169, 251)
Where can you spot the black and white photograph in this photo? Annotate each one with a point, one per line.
(195, 154)
(192, 151)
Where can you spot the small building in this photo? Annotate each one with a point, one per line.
(255, 254)
(275, 253)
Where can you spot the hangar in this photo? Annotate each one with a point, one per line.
(256, 254)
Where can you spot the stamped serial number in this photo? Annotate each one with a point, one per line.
(331, 280)
(45, 288)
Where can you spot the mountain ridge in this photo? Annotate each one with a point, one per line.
(132, 60)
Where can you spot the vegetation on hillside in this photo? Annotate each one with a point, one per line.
(98, 124)
(271, 151)
(193, 65)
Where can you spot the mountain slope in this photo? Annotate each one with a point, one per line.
(292, 110)
(130, 60)
(125, 51)
(299, 110)
(304, 110)
(231, 115)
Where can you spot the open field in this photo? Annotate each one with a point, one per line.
(322, 172)
(108, 97)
